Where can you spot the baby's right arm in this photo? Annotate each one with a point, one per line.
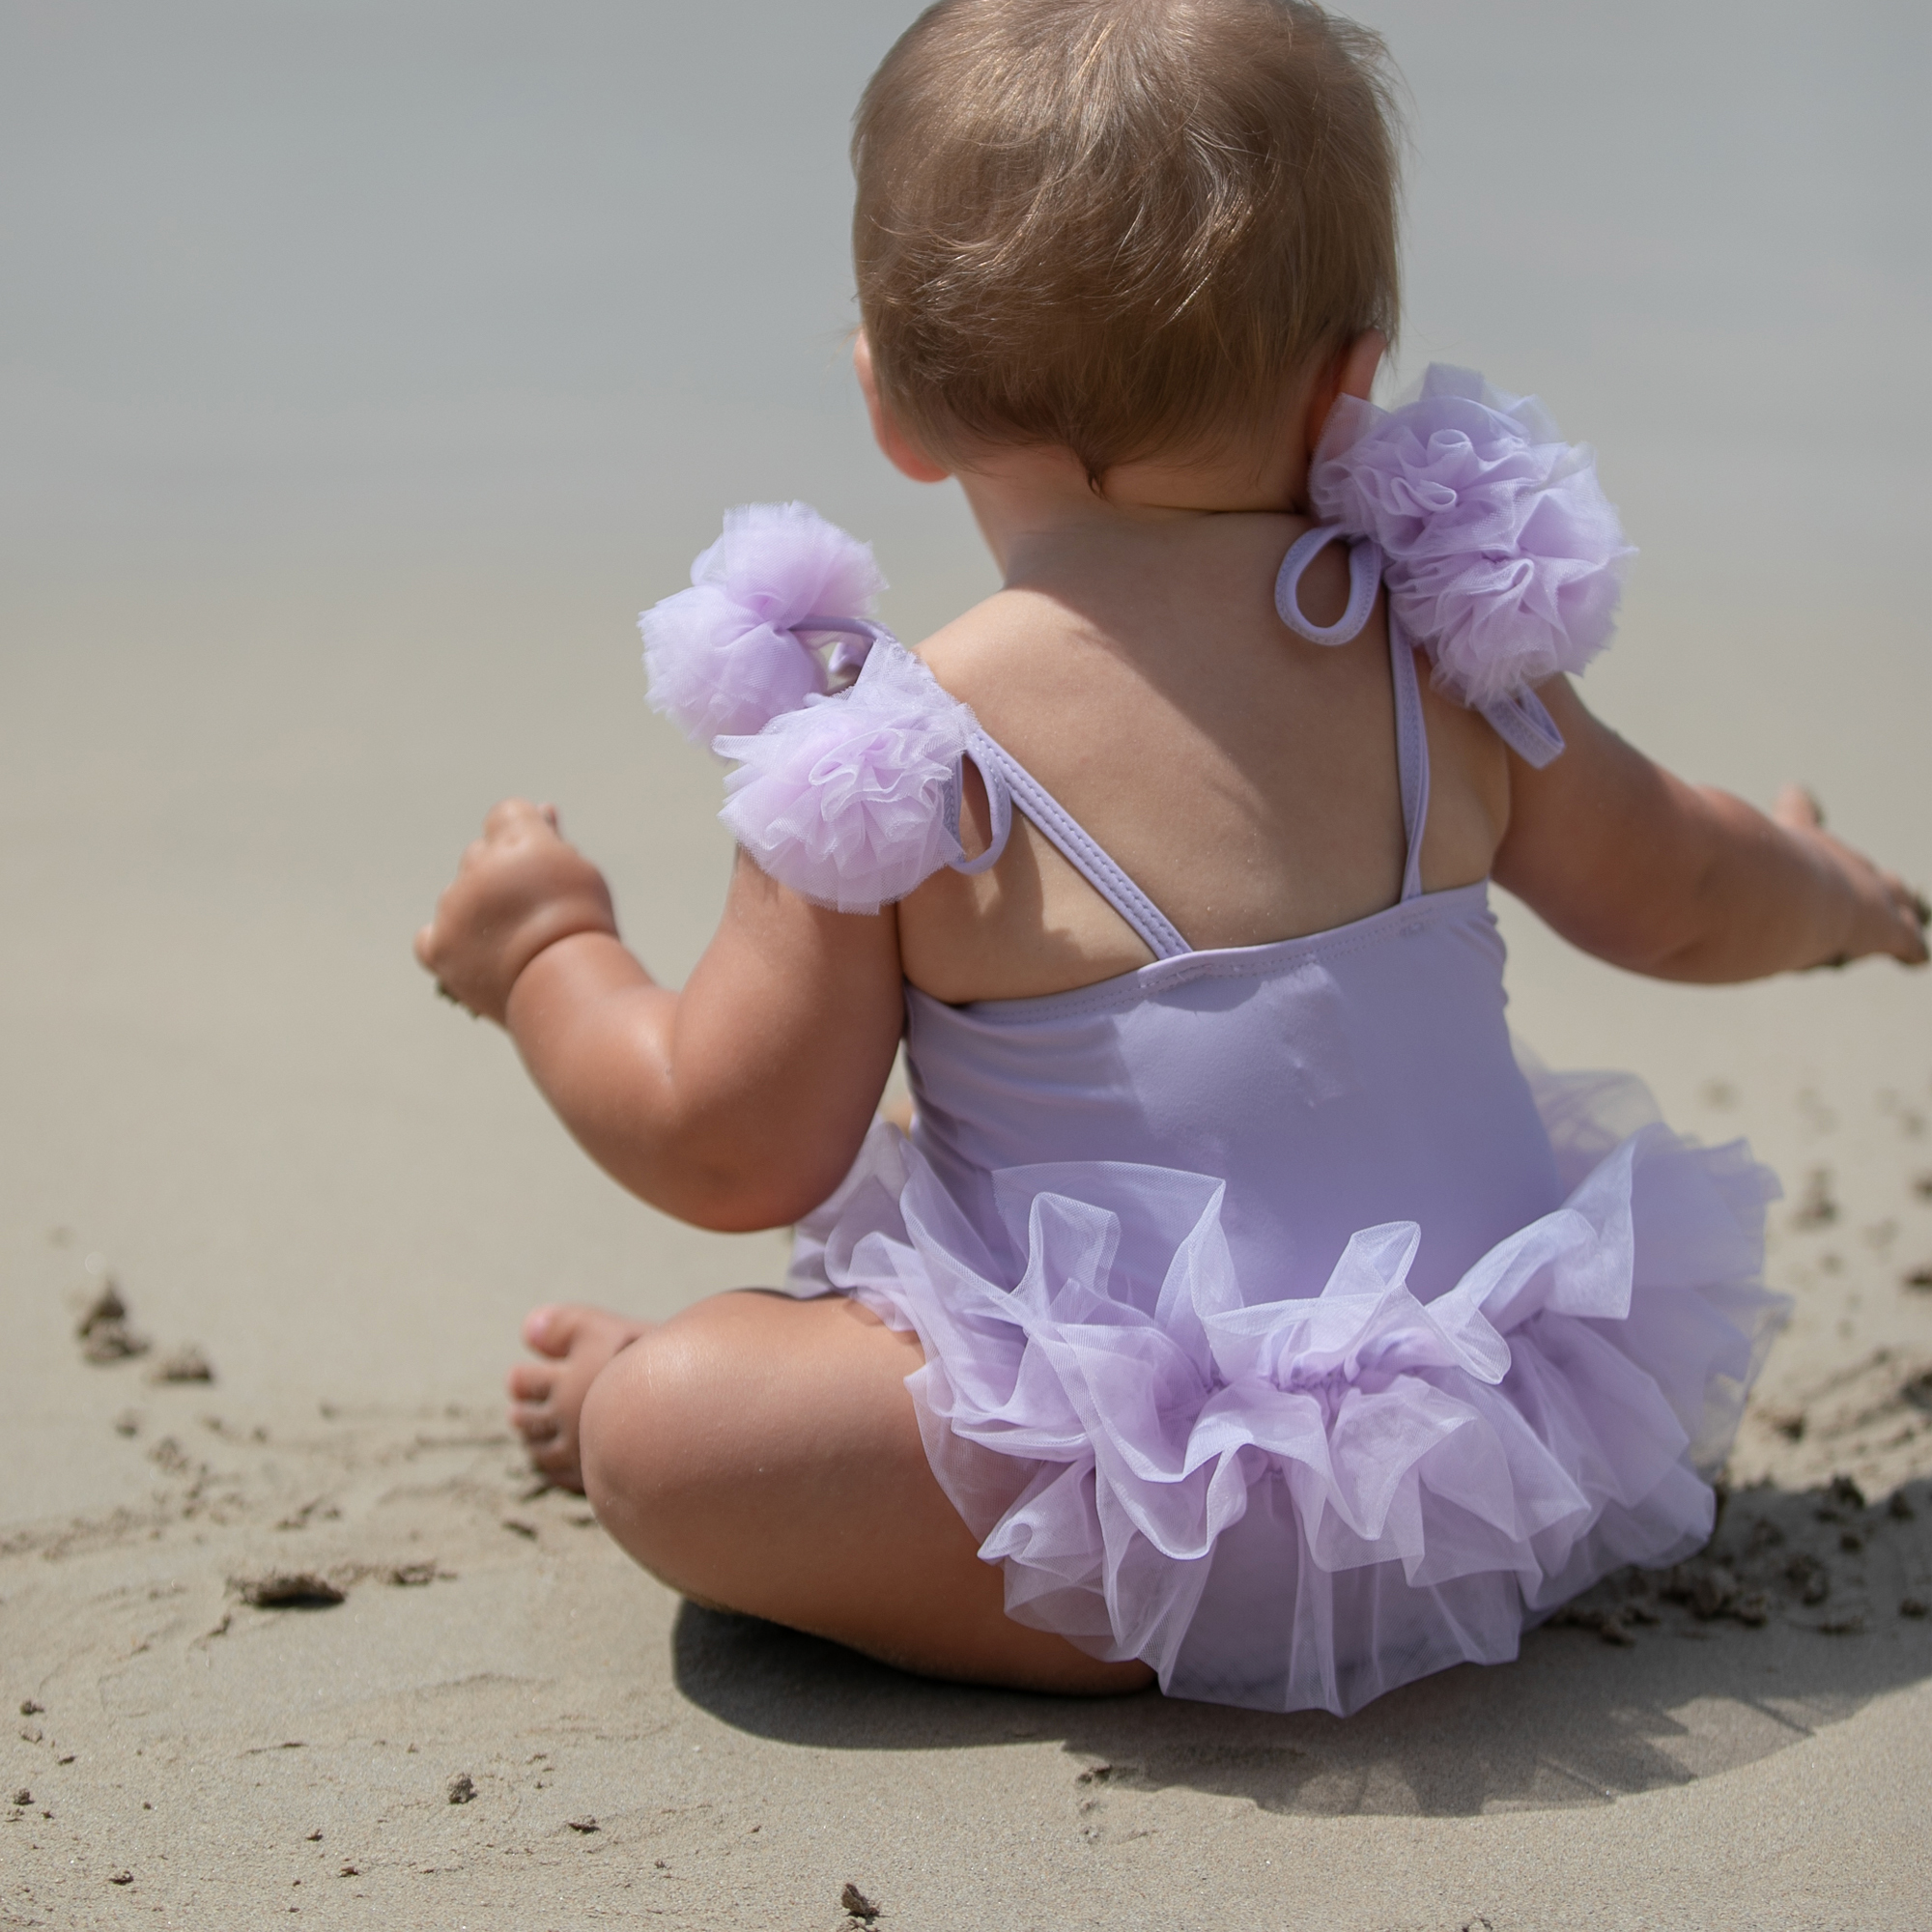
(736, 1104)
(1685, 882)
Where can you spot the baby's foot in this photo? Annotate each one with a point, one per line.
(546, 1397)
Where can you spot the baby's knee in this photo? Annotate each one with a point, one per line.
(642, 1440)
(627, 1425)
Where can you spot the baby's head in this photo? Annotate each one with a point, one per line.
(1132, 229)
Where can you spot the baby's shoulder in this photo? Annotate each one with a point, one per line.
(1000, 640)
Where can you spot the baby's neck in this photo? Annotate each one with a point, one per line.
(1034, 505)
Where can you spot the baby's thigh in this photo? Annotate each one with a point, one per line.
(762, 1454)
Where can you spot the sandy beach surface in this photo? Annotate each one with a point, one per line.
(366, 369)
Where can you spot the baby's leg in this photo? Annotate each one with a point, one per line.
(762, 1454)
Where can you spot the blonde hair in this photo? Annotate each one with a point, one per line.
(1123, 227)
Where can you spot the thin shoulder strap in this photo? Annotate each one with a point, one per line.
(1411, 752)
(1009, 783)
(1411, 740)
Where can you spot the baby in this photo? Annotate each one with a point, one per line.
(1239, 1311)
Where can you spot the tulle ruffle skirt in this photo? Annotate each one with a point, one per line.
(1303, 1503)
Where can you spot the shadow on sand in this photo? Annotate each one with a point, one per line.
(1576, 1720)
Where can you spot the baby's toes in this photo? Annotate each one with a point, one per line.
(550, 1329)
(532, 1411)
(536, 1426)
(557, 1463)
(530, 1382)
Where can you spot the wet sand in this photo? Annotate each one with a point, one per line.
(327, 512)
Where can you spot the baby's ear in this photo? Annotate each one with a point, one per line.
(1359, 364)
(899, 450)
(1353, 373)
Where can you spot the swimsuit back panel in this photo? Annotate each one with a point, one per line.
(1336, 1082)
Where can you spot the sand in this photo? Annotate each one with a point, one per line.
(299, 578)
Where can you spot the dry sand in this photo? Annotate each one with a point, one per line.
(299, 578)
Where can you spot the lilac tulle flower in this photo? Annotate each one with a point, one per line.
(1503, 557)
(853, 800)
(724, 656)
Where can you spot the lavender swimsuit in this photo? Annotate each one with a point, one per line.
(1282, 1326)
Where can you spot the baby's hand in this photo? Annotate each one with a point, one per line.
(519, 889)
(1886, 915)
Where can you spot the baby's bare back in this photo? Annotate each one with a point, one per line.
(1244, 777)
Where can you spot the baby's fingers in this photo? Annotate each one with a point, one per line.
(1797, 808)
(1890, 917)
(515, 818)
(429, 948)
(1914, 915)
(1895, 921)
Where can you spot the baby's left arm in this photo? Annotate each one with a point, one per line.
(1685, 882)
(737, 1103)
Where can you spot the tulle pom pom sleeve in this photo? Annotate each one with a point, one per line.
(727, 655)
(1503, 557)
(853, 800)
